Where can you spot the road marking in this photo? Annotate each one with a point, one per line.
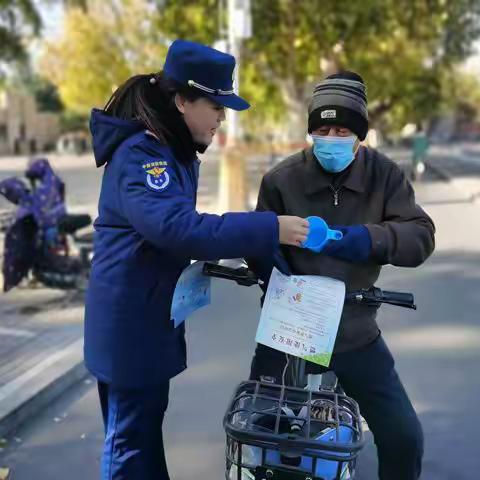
(16, 332)
(434, 338)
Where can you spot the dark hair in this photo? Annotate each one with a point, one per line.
(150, 99)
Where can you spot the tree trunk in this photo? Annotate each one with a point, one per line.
(233, 189)
(296, 114)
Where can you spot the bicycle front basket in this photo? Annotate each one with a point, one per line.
(279, 432)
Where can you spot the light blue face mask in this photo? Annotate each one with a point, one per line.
(335, 154)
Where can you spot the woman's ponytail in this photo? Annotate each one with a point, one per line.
(150, 99)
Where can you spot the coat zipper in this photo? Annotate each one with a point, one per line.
(336, 195)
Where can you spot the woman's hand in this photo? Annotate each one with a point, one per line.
(293, 230)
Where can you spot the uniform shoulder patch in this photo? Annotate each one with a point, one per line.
(156, 175)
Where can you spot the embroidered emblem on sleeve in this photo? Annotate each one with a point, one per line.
(157, 175)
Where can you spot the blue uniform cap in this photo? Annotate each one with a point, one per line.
(206, 69)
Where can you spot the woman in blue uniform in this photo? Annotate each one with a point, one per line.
(147, 232)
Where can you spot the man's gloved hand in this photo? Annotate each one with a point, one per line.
(355, 246)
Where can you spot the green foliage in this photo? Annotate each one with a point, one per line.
(71, 122)
(404, 49)
(461, 96)
(18, 19)
(24, 80)
(47, 97)
(45, 93)
(100, 49)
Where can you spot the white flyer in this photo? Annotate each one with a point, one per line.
(301, 314)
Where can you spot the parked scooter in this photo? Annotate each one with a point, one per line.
(40, 236)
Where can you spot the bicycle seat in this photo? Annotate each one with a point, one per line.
(70, 223)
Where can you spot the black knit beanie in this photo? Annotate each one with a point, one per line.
(340, 99)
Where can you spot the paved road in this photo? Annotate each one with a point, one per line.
(436, 350)
(83, 179)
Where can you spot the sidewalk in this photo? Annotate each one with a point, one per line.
(41, 351)
(460, 165)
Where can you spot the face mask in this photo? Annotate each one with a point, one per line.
(335, 154)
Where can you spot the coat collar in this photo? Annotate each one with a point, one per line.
(316, 179)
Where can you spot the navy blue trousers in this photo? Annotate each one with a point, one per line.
(133, 448)
(368, 375)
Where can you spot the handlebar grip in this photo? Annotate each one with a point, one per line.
(218, 271)
(400, 299)
(375, 296)
(241, 275)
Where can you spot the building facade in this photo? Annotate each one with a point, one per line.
(23, 129)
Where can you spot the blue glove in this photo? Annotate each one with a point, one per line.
(355, 246)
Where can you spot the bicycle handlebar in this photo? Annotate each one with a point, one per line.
(373, 296)
(243, 276)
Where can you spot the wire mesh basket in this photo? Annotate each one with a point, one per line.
(289, 433)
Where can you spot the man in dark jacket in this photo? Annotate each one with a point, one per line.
(368, 198)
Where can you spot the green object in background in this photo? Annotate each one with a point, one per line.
(420, 147)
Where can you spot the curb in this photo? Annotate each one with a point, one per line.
(35, 389)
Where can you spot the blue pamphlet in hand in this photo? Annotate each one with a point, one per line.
(320, 234)
(191, 293)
